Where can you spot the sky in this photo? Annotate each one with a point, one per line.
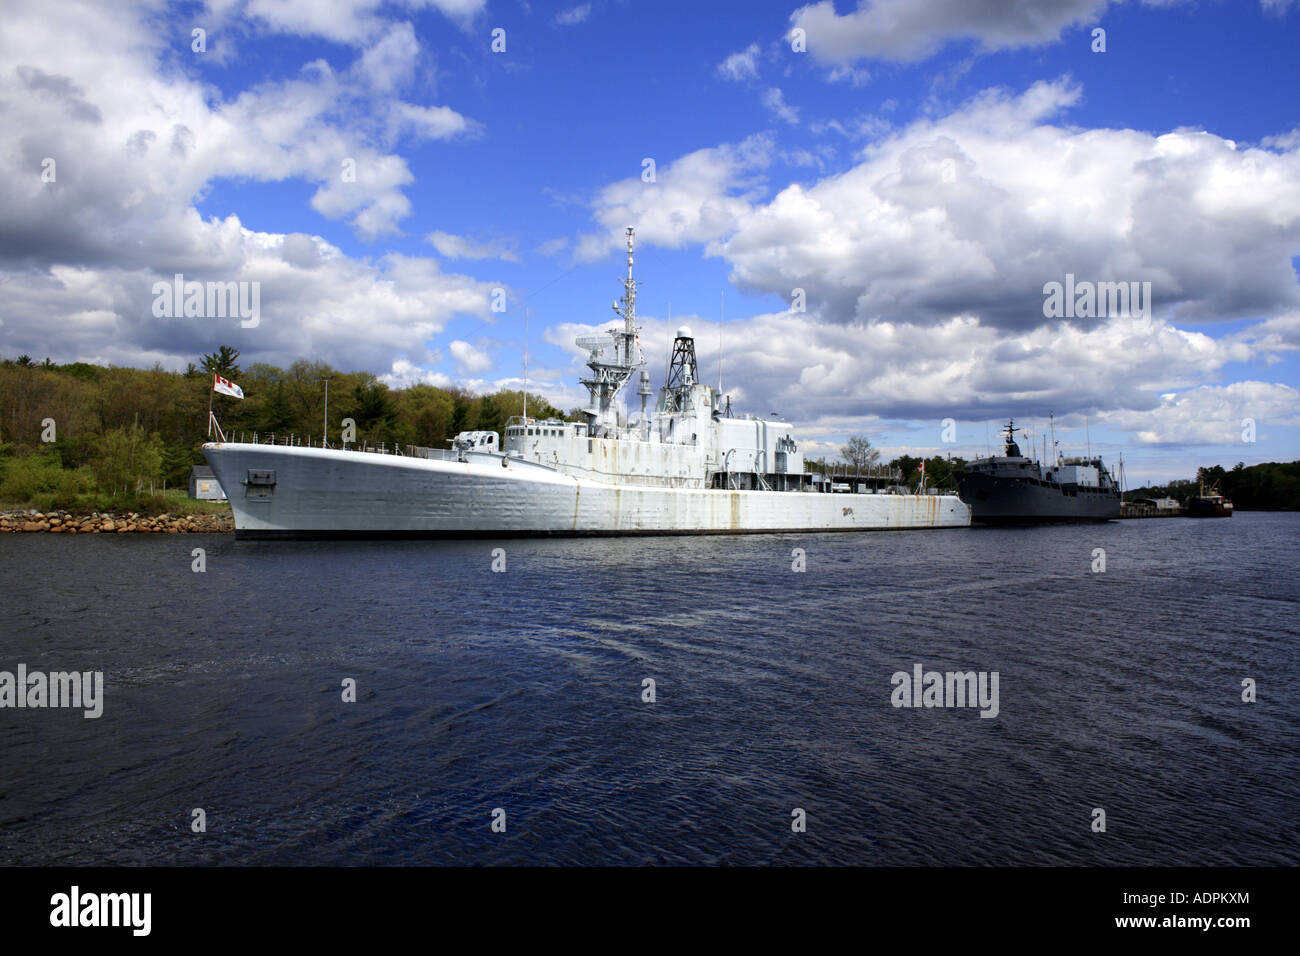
(860, 208)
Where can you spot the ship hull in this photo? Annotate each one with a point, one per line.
(283, 492)
(1208, 508)
(995, 500)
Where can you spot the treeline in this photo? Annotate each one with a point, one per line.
(74, 429)
(1270, 486)
(940, 472)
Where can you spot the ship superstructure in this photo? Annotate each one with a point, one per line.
(688, 467)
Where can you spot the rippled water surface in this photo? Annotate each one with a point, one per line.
(523, 691)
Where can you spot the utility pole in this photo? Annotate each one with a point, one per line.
(325, 433)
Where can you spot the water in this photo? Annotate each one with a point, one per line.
(522, 691)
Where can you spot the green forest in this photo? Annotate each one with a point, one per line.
(82, 436)
(1269, 486)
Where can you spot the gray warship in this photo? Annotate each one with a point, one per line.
(1014, 489)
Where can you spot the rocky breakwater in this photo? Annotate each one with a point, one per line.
(61, 522)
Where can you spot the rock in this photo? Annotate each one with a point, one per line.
(108, 525)
(31, 526)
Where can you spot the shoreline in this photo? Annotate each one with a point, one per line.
(104, 522)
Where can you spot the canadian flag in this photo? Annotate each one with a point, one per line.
(226, 387)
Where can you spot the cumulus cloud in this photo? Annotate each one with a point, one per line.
(313, 300)
(976, 211)
(151, 141)
(132, 157)
(1211, 414)
(469, 359)
(390, 62)
(697, 198)
(1147, 374)
(908, 30)
(914, 29)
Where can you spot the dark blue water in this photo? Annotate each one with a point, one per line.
(522, 691)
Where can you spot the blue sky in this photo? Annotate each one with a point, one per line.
(920, 170)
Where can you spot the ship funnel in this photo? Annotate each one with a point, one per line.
(644, 391)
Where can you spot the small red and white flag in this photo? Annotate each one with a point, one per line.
(226, 387)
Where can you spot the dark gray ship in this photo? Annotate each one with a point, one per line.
(1014, 489)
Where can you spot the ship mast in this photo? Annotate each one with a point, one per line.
(609, 377)
(629, 292)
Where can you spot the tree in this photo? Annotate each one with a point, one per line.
(276, 415)
(489, 417)
(222, 362)
(940, 472)
(126, 459)
(460, 412)
(374, 408)
(859, 453)
(909, 466)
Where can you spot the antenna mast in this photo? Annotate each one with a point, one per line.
(609, 376)
(525, 365)
(722, 300)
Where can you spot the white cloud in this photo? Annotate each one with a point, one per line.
(390, 62)
(344, 21)
(1211, 414)
(573, 15)
(773, 100)
(404, 374)
(740, 66)
(907, 30)
(826, 377)
(462, 247)
(152, 140)
(554, 246)
(914, 29)
(313, 300)
(469, 359)
(853, 76)
(428, 122)
(699, 197)
(134, 155)
(975, 211)
(865, 126)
